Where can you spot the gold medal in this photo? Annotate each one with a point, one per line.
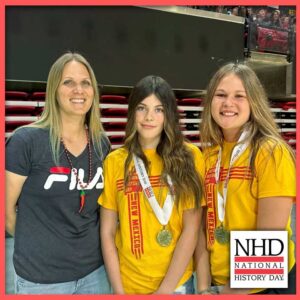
(222, 235)
(164, 237)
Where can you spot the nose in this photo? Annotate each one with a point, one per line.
(78, 88)
(149, 115)
(228, 101)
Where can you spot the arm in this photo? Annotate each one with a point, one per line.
(183, 251)
(202, 260)
(273, 214)
(108, 230)
(13, 188)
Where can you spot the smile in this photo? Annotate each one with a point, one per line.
(147, 126)
(77, 101)
(228, 114)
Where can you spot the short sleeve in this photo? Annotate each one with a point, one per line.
(18, 153)
(200, 168)
(276, 175)
(108, 197)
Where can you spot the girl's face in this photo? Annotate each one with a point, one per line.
(75, 93)
(149, 120)
(230, 107)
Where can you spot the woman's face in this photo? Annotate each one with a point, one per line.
(149, 120)
(275, 15)
(230, 107)
(75, 93)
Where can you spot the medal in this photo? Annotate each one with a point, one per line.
(222, 235)
(164, 237)
(163, 214)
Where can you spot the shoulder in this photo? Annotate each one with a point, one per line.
(29, 134)
(117, 156)
(193, 148)
(273, 148)
(270, 146)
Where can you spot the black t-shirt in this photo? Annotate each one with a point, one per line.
(53, 241)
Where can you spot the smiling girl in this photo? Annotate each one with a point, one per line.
(250, 172)
(150, 211)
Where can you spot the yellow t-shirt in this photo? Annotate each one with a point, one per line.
(143, 262)
(274, 177)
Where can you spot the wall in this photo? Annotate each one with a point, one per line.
(122, 44)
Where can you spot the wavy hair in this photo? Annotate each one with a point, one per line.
(178, 161)
(261, 124)
(51, 117)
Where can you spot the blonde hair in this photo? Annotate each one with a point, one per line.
(51, 117)
(261, 124)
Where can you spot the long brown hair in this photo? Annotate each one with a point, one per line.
(178, 161)
(261, 126)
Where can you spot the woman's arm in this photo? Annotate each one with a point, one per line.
(202, 261)
(183, 251)
(108, 228)
(13, 188)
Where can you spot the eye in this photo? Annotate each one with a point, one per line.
(140, 108)
(86, 83)
(240, 97)
(69, 83)
(159, 110)
(220, 95)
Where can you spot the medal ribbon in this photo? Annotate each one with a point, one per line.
(236, 153)
(162, 214)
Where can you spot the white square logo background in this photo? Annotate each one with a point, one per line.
(258, 259)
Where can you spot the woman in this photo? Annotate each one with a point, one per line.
(275, 19)
(53, 178)
(246, 164)
(150, 211)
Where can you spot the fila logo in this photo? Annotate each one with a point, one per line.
(62, 174)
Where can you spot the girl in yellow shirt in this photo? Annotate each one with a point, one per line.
(150, 212)
(249, 176)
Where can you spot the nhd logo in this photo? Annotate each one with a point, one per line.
(258, 259)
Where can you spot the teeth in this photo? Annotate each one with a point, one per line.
(77, 100)
(228, 114)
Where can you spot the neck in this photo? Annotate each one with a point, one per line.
(72, 130)
(231, 136)
(149, 143)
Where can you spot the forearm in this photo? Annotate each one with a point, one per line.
(108, 229)
(202, 267)
(202, 259)
(112, 266)
(10, 222)
(13, 187)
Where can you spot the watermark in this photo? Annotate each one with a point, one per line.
(258, 259)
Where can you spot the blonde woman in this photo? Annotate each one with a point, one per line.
(53, 179)
(250, 173)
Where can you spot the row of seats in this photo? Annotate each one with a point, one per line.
(22, 108)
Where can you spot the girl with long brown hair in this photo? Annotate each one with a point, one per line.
(150, 212)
